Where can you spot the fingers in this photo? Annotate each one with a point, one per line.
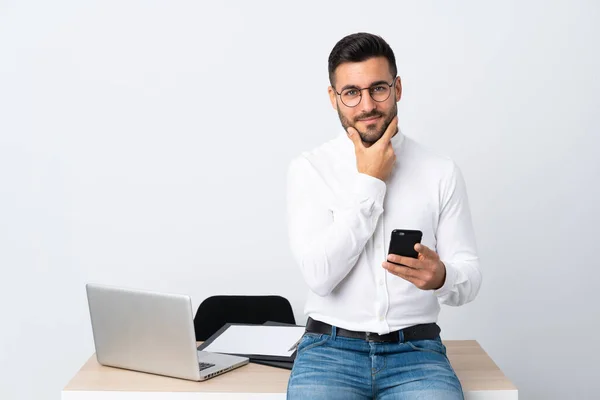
(400, 270)
(389, 132)
(390, 152)
(355, 137)
(407, 261)
(417, 277)
(409, 274)
(425, 251)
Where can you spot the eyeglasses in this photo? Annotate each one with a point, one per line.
(352, 96)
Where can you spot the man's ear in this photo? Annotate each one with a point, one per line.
(398, 89)
(332, 95)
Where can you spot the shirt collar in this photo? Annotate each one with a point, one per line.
(397, 139)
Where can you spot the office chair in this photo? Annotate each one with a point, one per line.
(216, 311)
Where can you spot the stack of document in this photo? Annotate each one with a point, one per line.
(271, 344)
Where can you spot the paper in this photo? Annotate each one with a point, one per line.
(257, 339)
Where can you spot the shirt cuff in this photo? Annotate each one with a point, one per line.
(368, 187)
(448, 285)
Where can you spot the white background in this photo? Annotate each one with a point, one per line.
(146, 144)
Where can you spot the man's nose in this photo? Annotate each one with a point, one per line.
(367, 104)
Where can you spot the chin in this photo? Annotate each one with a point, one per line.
(374, 132)
(373, 129)
(370, 137)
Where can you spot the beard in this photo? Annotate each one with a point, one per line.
(372, 133)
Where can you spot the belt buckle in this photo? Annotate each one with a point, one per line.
(373, 337)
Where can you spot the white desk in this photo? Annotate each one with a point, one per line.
(480, 377)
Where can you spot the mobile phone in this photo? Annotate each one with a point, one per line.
(403, 242)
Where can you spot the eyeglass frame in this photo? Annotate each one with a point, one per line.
(360, 90)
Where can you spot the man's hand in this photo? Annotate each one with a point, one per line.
(377, 160)
(427, 272)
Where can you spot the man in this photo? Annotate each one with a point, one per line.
(372, 329)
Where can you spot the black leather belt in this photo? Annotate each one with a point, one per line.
(416, 332)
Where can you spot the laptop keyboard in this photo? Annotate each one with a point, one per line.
(203, 366)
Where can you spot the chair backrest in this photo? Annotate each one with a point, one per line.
(216, 311)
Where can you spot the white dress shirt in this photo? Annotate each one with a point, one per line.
(340, 222)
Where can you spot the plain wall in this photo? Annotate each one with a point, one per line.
(146, 144)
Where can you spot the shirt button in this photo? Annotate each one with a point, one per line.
(381, 317)
(381, 282)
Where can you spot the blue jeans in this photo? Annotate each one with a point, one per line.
(333, 367)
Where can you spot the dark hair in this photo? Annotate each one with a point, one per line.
(359, 47)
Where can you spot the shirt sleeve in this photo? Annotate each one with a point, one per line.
(456, 244)
(326, 244)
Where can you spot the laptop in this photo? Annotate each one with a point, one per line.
(151, 332)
